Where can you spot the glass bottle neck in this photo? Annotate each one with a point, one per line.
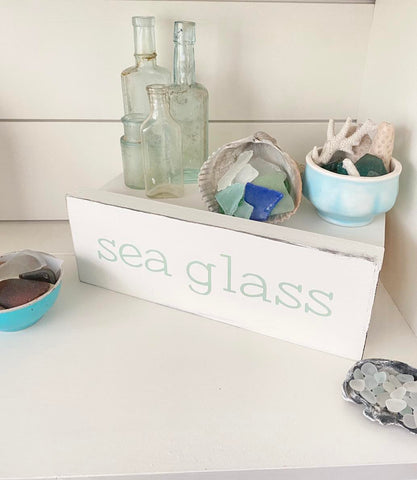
(148, 59)
(159, 105)
(144, 38)
(184, 64)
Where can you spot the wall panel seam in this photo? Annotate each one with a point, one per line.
(328, 2)
(74, 120)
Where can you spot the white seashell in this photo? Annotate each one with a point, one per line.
(362, 149)
(263, 146)
(390, 409)
(383, 143)
(12, 265)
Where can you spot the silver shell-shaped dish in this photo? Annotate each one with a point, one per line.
(262, 145)
(375, 412)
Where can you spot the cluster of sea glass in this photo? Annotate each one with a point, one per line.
(367, 166)
(254, 189)
(389, 390)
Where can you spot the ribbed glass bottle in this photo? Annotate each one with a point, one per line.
(161, 147)
(146, 71)
(189, 102)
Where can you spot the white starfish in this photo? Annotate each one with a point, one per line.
(342, 140)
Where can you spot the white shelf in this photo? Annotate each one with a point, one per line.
(306, 218)
(107, 384)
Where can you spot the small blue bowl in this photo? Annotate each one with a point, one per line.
(18, 318)
(350, 201)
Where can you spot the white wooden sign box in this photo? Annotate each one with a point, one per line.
(306, 282)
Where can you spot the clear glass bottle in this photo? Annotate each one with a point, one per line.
(146, 71)
(189, 102)
(161, 147)
(132, 157)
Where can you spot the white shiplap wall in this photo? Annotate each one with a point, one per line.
(283, 67)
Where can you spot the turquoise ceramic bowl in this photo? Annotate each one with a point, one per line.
(18, 318)
(350, 201)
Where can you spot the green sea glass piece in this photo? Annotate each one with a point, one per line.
(341, 169)
(287, 185)
(370, 166)
(230, 197)
(336, 161)
(276, 182)
(331, 167)
(244, 210)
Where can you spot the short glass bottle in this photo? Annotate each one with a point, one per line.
(146, 71)
(189, 102)
(161, 146)
(131, 146)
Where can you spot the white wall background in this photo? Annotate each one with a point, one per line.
(283, 67)
(390, 93)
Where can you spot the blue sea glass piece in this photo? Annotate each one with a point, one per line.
(275, 182)
(262, 199)
(230, 197)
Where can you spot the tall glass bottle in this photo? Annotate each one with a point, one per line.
(189, 102)
(161, 147)
(146, 71)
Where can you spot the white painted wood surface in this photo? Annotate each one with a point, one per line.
(390, 93)
(107, 384)
(270, 61)
(42, 161)
(193, 274)
(306, 220)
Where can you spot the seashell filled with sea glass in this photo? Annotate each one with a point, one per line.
(386, 390)
(252, 178)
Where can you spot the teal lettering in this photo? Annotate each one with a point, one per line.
(255, 289)
(206, 269)
(229, 274)
(283, 287)
(161, 262)
(312, 294)
(130, 251)
(101, 255)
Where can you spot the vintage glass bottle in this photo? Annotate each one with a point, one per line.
(131, 147)
(146, 71)
(161, 147)
(189, 102)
